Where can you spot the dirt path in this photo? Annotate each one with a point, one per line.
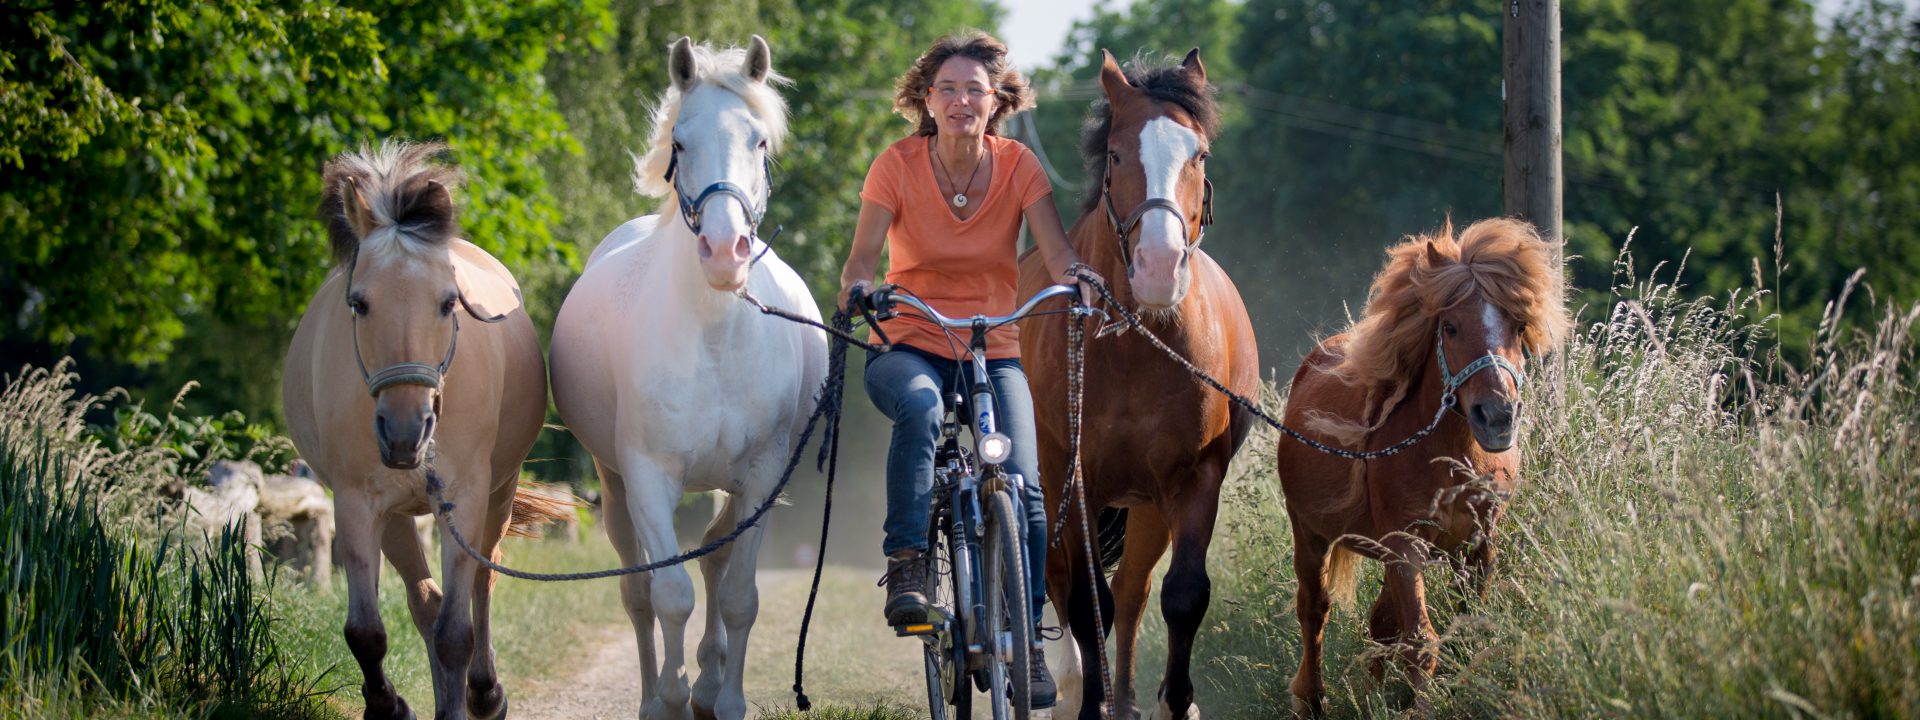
(853, 659)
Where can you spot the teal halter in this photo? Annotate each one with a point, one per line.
(1452, 381)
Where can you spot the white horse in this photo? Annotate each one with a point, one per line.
(674, 383)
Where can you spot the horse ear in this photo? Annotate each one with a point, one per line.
(681, 66)
(1192, 64)
(1112, 80)
(354, 205)
(759, 59)
(487, 289)
(1434, 258)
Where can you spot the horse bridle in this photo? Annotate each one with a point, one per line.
(406, 373)
(1451, 381)
(1124, 229)
(692, 210)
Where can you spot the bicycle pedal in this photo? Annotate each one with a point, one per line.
(916, 629)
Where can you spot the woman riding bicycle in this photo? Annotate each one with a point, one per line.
(947, 203)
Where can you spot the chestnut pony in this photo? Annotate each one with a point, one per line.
(1444, 320)
(1156, 440)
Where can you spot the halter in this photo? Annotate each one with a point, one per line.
(1124, 229)
(691, 210)
(1452, 381)
(406, 373)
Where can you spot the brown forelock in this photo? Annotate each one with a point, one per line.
(1501, 258)
(405, 175)
(1010, 87)
(1163, 81)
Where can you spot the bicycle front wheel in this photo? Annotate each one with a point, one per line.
(1008, 624)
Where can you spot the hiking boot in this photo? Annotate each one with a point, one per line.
(1039, 681)
(906, 582)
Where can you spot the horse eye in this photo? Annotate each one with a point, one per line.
(1449, 328)
(446, 308)
(358, 306)
(763, 145)
(1202, 157)
(677, 147)
(1520, 330)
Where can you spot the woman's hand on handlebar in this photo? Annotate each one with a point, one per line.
(855, 289)
(1071, 276)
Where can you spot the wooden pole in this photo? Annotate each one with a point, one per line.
(1532, 88)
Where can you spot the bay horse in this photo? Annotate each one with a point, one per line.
(674, 384)
(1444, 339)
(401, 281)
(1156, 440)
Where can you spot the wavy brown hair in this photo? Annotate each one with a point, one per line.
(1009, 86)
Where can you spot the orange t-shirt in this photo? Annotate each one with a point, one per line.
(959, 267)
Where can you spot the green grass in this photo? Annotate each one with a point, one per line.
(98, 622)
(1698, 533)
(535, 625)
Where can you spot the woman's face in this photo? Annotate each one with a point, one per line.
(962, 98)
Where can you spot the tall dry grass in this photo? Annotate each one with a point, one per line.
(1701, 531)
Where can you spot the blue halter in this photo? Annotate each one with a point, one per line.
(691, 208)
(1452, 381)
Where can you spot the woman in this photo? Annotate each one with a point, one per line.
(947, 203)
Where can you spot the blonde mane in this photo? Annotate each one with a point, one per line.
(396, 179)
(1501, 259)
(725, 68)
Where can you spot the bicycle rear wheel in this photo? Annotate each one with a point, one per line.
(1008, 624)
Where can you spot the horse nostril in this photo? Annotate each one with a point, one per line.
(742, 246)
(1480, 414)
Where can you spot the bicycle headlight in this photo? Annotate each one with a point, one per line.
(996, 448)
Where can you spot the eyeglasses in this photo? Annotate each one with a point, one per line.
(950, 93)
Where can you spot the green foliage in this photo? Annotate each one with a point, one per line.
(193, 443)
(166, 160)
(89, 608)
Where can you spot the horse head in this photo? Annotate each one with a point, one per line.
(714, 136)
(1160, 124)
(1496, 300)
(390, 214)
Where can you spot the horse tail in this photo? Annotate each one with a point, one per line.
(536, 506)
(1339, 574)
(1112, 533)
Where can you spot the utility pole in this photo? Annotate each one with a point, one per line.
(1533, 178)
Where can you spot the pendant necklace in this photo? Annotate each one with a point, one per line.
(959, 196)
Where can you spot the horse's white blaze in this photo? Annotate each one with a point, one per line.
(1495, 324)
(677, 387)
(1165, 148)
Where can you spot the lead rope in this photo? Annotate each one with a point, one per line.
(1076, 391)
(832, 394)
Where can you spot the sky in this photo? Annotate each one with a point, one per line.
(1034, 30)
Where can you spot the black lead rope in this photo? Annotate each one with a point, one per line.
(832, 394)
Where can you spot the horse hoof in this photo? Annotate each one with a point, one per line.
(1163, 712)
(397, 711)
(490, 704)
(1304, 709)
(703, 713)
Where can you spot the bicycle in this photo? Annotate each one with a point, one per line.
(979, 628)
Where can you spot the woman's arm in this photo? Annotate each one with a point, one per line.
(1043, 220)
(869, 237)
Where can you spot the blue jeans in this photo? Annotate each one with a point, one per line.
(907, 385)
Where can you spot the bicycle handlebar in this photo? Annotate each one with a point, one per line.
(883, 299)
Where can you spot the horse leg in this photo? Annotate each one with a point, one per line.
(1069, 675)
(1187, 590)
(402, 547)
(713, 644)
(1311, 604)
(366, 635)
(486, 699)
(1132, 582)
(652, 493)
(739, 596)
(1383, 625)
(1086, 585)
(636, 592)
(453, 638)
(1405, 556)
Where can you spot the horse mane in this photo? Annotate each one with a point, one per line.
(1503, 259)
(1163, 80)
(396, 179)
(725, 68)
